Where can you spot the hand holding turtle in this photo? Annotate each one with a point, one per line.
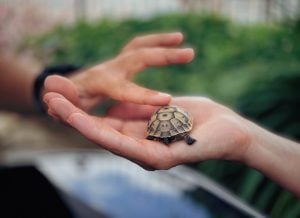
(219, 131)
(112, 78)
(221, 134)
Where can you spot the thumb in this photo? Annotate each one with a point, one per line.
(133, 93)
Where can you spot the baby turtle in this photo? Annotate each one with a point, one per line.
(170, 123)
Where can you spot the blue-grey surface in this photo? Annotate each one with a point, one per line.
(115, 186)
(116, 195)
(120, 188)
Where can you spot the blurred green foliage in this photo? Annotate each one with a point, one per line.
(254, 68)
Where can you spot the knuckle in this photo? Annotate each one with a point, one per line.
(132, 43)
(129, 55)
(142, 52)
(120, 59)
(122, 96)
(137, 40)
(123, 91)
(135, 60)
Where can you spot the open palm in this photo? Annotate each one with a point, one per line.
(218, 130)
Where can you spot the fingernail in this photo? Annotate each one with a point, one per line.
(158, 98)
(178, 34)
(188, 50)
(165, 95)
(186, 55)
(46, 98)
(51, 113)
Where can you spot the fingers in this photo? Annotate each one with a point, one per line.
(112, 79)
(96, 130)
(130, 92)
(93, 129)
(63, 86)
(154, 40)
(47, 98)
(138, 60)
(105, 132)
(131, 111)
(60, 107)
(78, 119)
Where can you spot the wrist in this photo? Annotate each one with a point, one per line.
(251, 153)
(240, 140)
(264, 148)
(274, 156)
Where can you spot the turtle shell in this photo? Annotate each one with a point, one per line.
(169, 121)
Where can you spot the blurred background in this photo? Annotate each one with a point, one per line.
(247, 57)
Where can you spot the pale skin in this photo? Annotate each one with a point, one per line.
(220, 132)
(113, 78)
(91, 86)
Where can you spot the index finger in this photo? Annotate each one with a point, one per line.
(155, 40)
(136, 61)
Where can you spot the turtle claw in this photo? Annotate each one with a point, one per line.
(166, 141)
(189, 140)
(150, 137)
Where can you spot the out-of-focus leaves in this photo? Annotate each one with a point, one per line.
(250, 184)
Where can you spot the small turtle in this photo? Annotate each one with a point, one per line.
(169, 124)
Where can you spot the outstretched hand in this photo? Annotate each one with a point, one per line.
(112, 78)
(220, 132)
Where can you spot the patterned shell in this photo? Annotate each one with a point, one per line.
(169, 121)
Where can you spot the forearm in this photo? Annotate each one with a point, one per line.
(16, 85)
(276, 157)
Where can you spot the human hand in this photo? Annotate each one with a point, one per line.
(113, 78)
(220, 133)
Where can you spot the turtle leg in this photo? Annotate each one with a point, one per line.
(149, 137)
(166, 141)
(189, 140)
